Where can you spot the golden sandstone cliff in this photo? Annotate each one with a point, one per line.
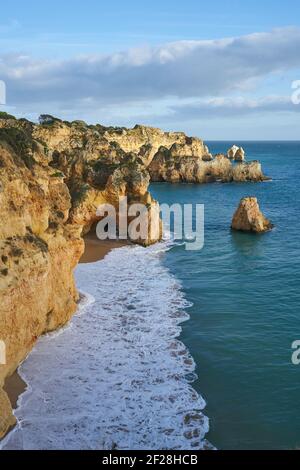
(39, 250)
(53, 176)
(180, 164)
(249, 218)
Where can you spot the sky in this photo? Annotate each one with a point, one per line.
(219, 70)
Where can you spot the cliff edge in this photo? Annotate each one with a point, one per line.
(53, 176)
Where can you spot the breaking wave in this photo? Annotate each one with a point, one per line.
(117, 377)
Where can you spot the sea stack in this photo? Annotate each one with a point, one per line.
(236, 153)
(249, 218)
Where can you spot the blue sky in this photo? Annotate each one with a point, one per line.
(218, 69)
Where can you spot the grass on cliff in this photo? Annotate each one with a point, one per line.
(21, 143)
(103, 170)
(4, 115)
(57, 174)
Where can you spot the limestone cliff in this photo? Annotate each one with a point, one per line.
(53, 176)
(144, 141)
(44, 213)
(38, 250)
(174, 157)
(168, 166)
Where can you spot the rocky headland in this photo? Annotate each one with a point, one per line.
(53, 176)
(191, 162)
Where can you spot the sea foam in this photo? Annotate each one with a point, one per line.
(117, 377)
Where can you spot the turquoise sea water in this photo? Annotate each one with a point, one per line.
(245, 291)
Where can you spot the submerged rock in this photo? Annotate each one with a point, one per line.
(249, 218)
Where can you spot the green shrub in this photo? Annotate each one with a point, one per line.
(48, 120)
(78, 193)
(58, 174)
(21, 142)
(103, 169)
(4, 115)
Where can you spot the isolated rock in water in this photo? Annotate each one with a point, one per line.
(249, 218)
(236, 153)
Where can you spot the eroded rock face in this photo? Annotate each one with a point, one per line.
(100, 166)
(146, 142)
(38, 251)
(53, 177)
(143, 140)
(236, 153)
(7, 419)
(167, 167)
(248, 171)
(85, 154)
(249, 218)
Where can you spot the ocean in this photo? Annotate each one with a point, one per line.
(245, 295)
(176, 349)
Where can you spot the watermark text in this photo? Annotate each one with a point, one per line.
(296, 93)
(2, 92)
(2, 353)
(139, 222)
(296, 353)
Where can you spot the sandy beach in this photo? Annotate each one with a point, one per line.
(120, 361)
(95, 250)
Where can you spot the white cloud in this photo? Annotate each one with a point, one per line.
(231, 107)
(182, 69)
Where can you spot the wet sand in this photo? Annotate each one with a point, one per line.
(95, 250)
(14, 386)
